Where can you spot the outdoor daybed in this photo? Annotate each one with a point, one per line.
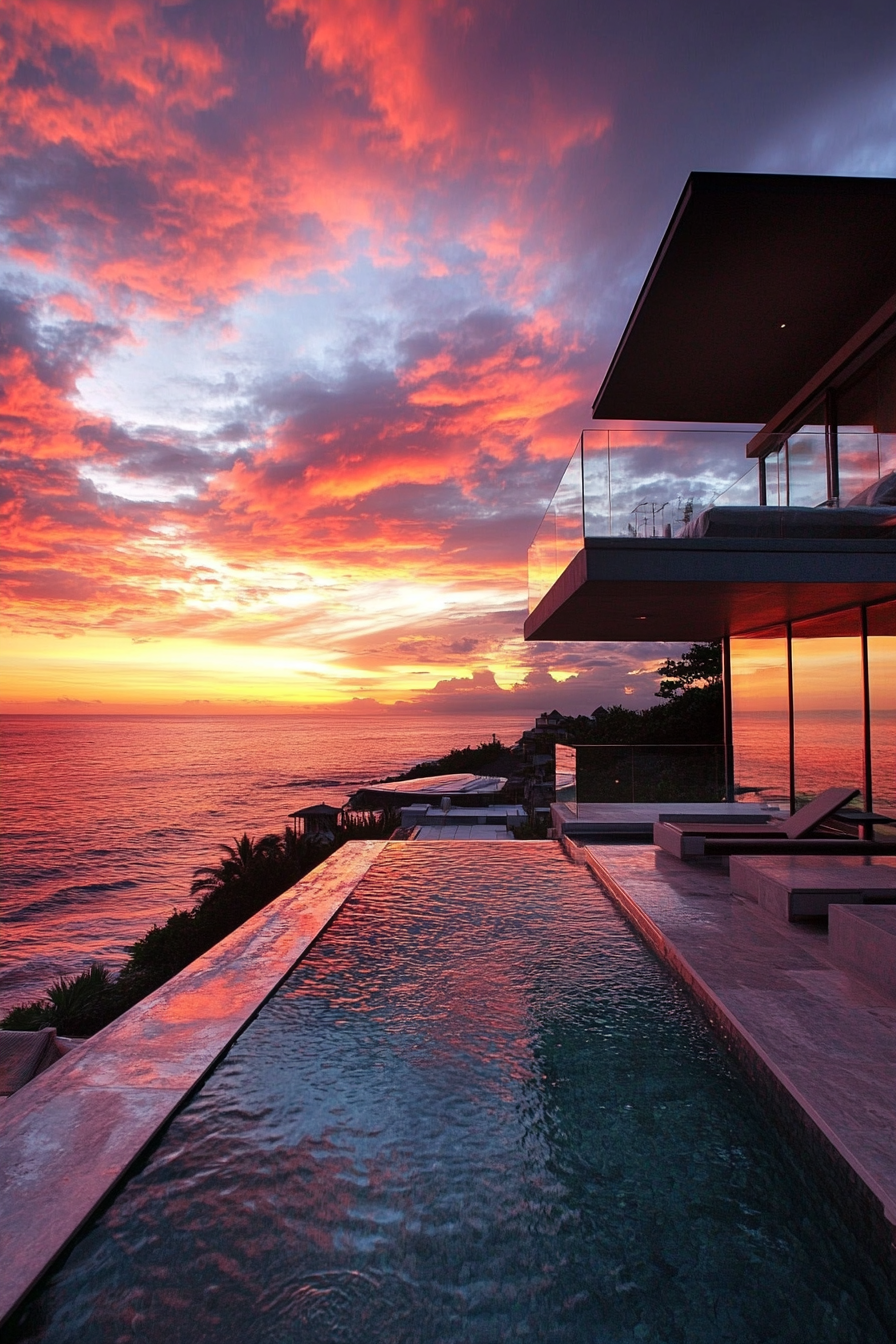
(687, 840)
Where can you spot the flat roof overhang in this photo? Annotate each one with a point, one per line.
(759, 281)
(701, 588)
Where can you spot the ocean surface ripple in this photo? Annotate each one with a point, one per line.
(104, 818)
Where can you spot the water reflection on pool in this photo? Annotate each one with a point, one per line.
(479, 1110)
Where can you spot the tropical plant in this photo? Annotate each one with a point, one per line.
(250, 875)
(74, 1005)
(369, 825)
(246, 860)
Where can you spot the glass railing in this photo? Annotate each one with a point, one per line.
(690, 773)
(638, 481)
(560, 534)
(648, 480)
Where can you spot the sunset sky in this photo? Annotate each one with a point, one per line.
(303, 305)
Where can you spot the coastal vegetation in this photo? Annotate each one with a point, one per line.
(482, 760)
(250, 874)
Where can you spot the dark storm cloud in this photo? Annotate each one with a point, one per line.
(58, 349)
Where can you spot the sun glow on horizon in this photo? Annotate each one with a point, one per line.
(298, 330)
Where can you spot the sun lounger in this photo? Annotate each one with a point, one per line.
(689, 839)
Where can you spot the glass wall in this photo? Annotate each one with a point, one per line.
(859, 459)
(882, 696)
(623, 773)
(565, 774)
(828, 722)
(761, 718)
(795, 736)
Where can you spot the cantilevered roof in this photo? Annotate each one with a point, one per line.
(758, 282)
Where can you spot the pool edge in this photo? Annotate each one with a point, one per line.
(114, 1102)
(862, 1201)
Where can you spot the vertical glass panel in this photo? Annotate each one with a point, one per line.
(564, 773)
(649, 479)
(568, 505)
(886, 446)
(828, 722)
(858, 455)
(559, 538)
(744, 492)
(678, 773)
(668, 773)
(760, 717)
(597, 481)
(882, 687)
(543, 557)
(776, 478)
(866, 417)
(806, 468)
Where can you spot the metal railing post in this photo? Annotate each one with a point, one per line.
(729, 718)
(868, 828)
(791, 734)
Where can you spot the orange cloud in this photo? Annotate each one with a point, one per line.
(166, 162)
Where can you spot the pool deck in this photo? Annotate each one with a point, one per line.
(820, 1042)
(69, 1136)
(590, 822)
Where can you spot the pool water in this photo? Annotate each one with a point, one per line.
(478, 1110)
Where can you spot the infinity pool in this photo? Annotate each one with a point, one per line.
(478, 1110)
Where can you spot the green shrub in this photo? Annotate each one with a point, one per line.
(75, 1006)
(462, 760)
(250, 875)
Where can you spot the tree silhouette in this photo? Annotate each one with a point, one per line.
(247, 862)
(701, 666)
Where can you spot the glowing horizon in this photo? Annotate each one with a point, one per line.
(302, 311)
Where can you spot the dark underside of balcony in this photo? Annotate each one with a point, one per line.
(701, 588)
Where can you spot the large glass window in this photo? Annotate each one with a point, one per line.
(882, 690)
(760, 718)
(828, 700)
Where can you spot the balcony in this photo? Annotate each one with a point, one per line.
(620, 553)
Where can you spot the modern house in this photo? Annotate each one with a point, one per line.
(441, 1090)
(740, 483)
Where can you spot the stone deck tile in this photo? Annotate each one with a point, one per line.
(827, 1037)
(70, 1135)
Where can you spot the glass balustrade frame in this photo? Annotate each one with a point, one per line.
(647, 480)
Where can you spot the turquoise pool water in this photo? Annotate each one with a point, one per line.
(479, 1110)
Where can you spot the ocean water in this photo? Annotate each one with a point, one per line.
(105, 818)
(478, 1110)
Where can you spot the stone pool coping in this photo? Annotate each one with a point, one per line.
(69, 1136)
(819, 1043)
